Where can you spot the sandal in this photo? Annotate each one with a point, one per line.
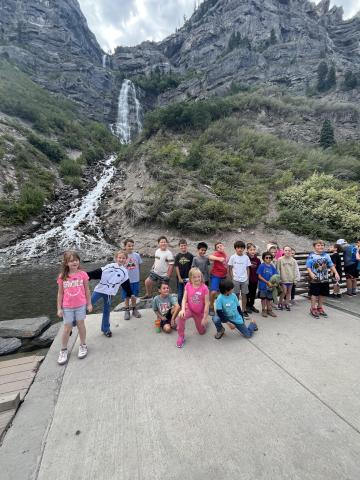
(108, 333)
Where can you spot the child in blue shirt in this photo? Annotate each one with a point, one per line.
(227, 310)
(265, 271)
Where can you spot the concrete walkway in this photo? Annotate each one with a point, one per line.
(284, 405)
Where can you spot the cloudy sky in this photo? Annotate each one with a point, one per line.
(129, 22)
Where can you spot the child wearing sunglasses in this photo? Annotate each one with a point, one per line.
(265, 271)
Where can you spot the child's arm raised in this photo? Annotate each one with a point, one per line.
(59, 300)
(214, 258)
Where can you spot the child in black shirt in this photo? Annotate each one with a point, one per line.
(183, 262)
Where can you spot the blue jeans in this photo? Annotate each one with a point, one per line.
(180, 291)
(243, 329)
(105, 324)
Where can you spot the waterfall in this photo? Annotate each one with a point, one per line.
(80, 229)
(104, 60)
(129, 117)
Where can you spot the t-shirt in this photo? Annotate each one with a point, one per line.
(240, 263)
(202, 263)
(164, 304)
(229, 305)
(350, 255)
(74, 289)
(336, 259)
(319, 265)
(163, 258)
(132, 265)
(196, 297)
(184, 261)
(254, 265)
(266, 271)
(219, 269)
(287, 269)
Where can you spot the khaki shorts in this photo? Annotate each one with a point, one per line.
(241, 287)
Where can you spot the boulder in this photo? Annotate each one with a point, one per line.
(9, 345)
(47, 337)
(24, 327)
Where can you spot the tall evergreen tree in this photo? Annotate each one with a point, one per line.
(350, 80)
(327, 138)
(273, 37)
(331, 77)
(322, 72)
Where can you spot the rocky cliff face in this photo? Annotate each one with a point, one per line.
(51, 41)
(278, 41)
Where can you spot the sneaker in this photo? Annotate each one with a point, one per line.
(255, 310)
(127, 314)
(220, 333)
(245, 314)
(354, 292)
(83, 350)
(255, 328)
(287, 307)
(280, 306)
(314, 312)
(321, 312)
(180, 341)
(271, 313)
(264, 313)
(136, 313)
(349, 294)
(63, 357)
(108, 334)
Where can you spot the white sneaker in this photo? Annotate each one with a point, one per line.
(83, 350)
(63, 357)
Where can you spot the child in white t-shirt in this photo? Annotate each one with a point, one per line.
(162, 269)
(239, 265)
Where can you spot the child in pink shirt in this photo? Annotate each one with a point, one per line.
(72, 301)
(195, 304)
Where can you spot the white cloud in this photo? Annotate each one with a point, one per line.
(130, 22)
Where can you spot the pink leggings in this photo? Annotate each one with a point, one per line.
(197, 319)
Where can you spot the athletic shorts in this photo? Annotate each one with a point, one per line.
(135, 288)
(215, 283)
(319, 289)
(158, 278)
(168, 319)
(351, 271)
(241, 287)
(287, 285)
(265, 294)
(71, 315)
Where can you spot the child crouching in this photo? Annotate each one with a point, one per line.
(227, 310)
(166, 308)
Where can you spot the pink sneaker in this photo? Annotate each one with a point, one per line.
(180, 341)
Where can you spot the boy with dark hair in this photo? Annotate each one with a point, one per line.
(132, 265)
(336, 259)
(183, 262)
(350, 266)
(166, 309)
(318, 264)
(265, 271)
(202, 262)
(239, 265)
(228, 311)
(162, 268)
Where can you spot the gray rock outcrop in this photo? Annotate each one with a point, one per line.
(9, 345)
(47, 337)
(23, 327)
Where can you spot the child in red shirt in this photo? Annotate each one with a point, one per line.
(218, 272)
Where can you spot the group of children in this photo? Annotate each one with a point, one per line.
(217, 285)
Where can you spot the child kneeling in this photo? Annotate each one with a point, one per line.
(166, 308)
(227, 310)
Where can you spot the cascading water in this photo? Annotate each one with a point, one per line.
(129, 117)
(104, 60)
(73, 232)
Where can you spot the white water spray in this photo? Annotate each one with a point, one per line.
(104, 60)
(69, 235)
(129, 117)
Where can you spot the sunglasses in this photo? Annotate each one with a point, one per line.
(268, 257)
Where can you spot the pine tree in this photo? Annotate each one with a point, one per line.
(331, 78)
(322, 72)
(350, 80)
(273, 38)
(327, 138)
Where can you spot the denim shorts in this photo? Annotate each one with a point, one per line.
(71, 315)
(158, 278)
(135, 288)
(215, 282)
(265, 294)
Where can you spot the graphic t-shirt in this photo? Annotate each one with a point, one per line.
(132, 265)
(202, 263)
(184, 261)
(254, 265)
(164, 304)
(74, 289)
(219, 269)
(229, 305)
(319, 264)
(266, 271)
(350, 255)
(196, 297)
(163, 258)
(239, 263)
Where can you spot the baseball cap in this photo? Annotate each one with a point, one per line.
(341, 241)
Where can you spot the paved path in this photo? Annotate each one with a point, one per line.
(284, 405)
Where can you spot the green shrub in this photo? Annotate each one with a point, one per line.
(69, 168)
(29, 203)
(51, 149)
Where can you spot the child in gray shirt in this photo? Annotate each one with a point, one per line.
(202, 262)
